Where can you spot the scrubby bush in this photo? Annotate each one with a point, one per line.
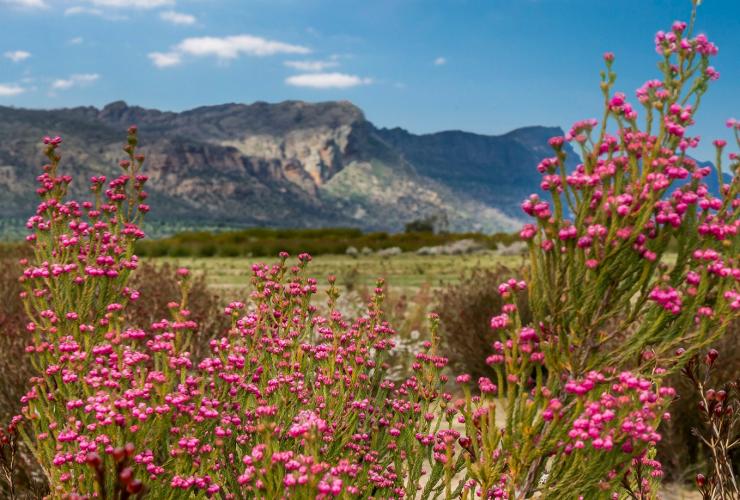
(408, 313)
(20, 475)
(465, 310)
(287, 403)
(13, 340)
(719, 432)
(158, 283)
(11, 251)
(611, 317)
(682, 454)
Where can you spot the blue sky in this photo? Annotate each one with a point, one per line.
(486, 66)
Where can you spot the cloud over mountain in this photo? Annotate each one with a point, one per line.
(327, 80)
(77, 80)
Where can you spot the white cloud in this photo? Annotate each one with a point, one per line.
(17, 55)
(440, 61)
(28, 4)
(231, 47)
(74, 81)
(91, 11)
(94, 10)
(72, 11)
(311, 66)
(224, 49)
(165, 59)
(10, 90)
(76, 40)
(174, 17)
(327, 80)
(110, 9)
(132, 4)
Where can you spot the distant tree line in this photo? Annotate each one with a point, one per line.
(269, 242)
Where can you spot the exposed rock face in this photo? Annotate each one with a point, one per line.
(291, 164)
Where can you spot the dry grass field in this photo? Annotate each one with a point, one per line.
(406, 271)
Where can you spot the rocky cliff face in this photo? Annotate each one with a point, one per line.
(291, 164)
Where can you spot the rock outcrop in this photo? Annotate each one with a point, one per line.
(290, 164)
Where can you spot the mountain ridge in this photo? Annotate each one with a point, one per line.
(286, 164)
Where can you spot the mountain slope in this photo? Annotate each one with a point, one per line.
(290, 164)
(496, 170)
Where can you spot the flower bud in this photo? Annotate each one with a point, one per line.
(126, 475)
(93, 460)
(134, 486)
(712, 355)
(118, 454)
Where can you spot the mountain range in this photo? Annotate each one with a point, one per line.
(288, 164)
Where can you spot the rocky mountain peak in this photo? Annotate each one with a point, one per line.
(290, 164)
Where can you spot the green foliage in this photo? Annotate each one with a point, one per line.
(262, 242)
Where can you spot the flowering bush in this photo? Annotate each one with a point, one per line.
(290, 402)
(611, 313)
(158, 283)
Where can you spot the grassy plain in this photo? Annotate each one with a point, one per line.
(408, 270)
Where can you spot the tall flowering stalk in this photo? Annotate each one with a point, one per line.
(75, 292)
(633, 269)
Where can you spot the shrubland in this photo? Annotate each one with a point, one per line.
(297, 400)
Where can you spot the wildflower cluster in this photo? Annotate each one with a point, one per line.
(632, 256)
(597, 254)
(286, 403)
